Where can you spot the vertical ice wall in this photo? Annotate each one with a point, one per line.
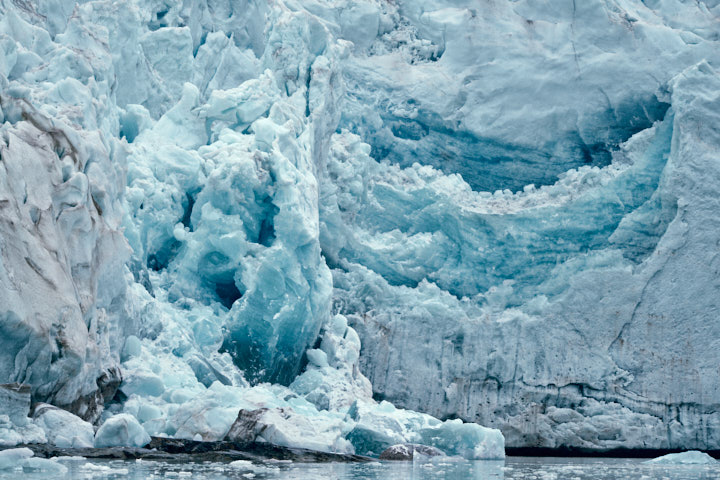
(506, 200)
(63, 252)
(528, 298)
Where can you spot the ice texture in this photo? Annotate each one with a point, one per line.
(61, 183)
(311, 216)
(614, 294)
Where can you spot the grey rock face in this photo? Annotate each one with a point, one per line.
(247, 426)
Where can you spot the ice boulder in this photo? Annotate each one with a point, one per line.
(62, 428)
(13, 457)
(378, 426)
(468, 440)
(121, 430)
(287, 427)
(692, 457)
(36, 465)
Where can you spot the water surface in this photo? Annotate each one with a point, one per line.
(525, 468)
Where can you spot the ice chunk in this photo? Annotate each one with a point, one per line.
(332, 379)
(468, 440)
(62, 428)
(209, 414)
(243, 105)
(121, 430)
(102, 471)
(13, 457)
(30, 465)
(12, 434)
(143, 382)
(691, 457)
(70, 459)
(379, 426)
(290, 428)
(132, 348)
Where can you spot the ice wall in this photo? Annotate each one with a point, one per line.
(560, 314)
(544, 294)
(509, 205)
(62, 250)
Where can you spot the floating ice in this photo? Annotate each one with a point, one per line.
(13, 457)
(692, 457)
(43, 465)
(408, 451)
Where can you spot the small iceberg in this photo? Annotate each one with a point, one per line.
(692, 457)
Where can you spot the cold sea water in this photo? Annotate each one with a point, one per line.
(525, 468)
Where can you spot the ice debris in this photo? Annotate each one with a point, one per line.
(35, 464)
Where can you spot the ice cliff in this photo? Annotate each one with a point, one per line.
(287, 219)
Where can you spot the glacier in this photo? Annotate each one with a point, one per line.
(350, 224)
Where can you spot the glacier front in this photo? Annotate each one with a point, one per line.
(297, 221)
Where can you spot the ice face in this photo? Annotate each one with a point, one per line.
(62, 181)
(491, 211)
